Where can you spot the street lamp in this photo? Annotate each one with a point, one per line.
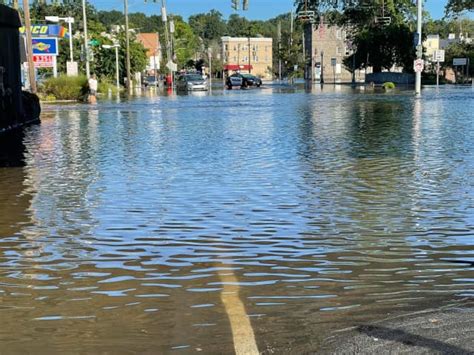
(117, 77)
(69, 21)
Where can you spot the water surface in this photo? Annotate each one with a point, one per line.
(131, 223)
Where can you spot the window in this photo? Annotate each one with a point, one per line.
(338, 50)
(226, 47)
(235, 47)
(338, 34)
(235, 59)
(246, 59)
(255, 58)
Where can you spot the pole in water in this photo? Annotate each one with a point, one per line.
(419, 43)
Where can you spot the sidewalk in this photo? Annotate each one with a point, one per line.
(447, 331)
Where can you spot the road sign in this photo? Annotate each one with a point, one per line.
(333, 62)
(438, 55)
(416, 39)
(46, 46)
(43, 61)
(419, 65)
(72, 69)
(172, 66)
(459, 61)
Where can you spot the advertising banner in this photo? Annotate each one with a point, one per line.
(56, 31)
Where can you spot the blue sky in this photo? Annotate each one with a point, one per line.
(259, 9)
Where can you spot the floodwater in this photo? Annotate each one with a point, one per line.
(241, 221)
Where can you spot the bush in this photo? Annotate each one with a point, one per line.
(388, 85)
(65, 87)
(105, 85)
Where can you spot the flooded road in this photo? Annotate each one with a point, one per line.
(242, 221)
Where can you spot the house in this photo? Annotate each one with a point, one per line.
(151, 42)
(248, 55)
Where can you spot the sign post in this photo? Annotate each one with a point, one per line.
(333, 64)
(438, 57)
(459, 62)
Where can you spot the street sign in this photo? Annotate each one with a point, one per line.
(416, 39)
(72, 69)
(459, 61)
(438, 55)
(333, 62)
(172, 66)
(419, 65)
(46, 46)
(43, 61)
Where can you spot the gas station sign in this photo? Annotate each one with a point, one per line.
(43, 61)
(47, 31)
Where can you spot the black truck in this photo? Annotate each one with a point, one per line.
(17, 108)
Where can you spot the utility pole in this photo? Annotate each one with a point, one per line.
(167, 35)
(29, 45)
(127, 48)
(279, 51)
(250, 65)
(86, 40)
(419, 44)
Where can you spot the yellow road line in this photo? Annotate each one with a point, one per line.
(242, 332)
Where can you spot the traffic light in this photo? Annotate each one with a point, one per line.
(235, 4)
(245, 5)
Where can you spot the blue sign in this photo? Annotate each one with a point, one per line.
(416, 39)
(45, 46)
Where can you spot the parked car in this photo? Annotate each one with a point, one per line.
(243, 80)
(150, 81)
(191, 82)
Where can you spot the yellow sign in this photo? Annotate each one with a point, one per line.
(37, 30)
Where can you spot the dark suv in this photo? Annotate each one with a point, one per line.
(243, 80)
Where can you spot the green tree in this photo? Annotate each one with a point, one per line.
(458, 6)
(209, 26)
(186, 43)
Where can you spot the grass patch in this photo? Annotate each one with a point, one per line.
(65, 87)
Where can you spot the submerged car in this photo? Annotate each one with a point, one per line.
(243, 80)
(191, 82)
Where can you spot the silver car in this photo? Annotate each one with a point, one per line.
(192, 82)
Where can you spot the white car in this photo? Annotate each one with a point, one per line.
(192, 82)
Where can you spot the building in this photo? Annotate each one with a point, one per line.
(431, 44)
(248, 55)
(151, 41)
(330, 48)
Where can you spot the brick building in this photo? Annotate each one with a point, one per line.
(330, 47)
(254, 55)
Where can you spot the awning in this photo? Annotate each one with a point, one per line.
(238, 67)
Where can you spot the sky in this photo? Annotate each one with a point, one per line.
(258, 9)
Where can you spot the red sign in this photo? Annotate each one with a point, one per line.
(43, 61)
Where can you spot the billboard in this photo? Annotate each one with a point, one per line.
(46, 46)
(47, 31)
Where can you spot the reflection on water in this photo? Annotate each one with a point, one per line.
(154, 224)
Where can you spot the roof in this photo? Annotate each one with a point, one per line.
(151, 41)
(252, 39)
(9, 17)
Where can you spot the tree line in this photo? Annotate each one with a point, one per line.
(377, 45)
